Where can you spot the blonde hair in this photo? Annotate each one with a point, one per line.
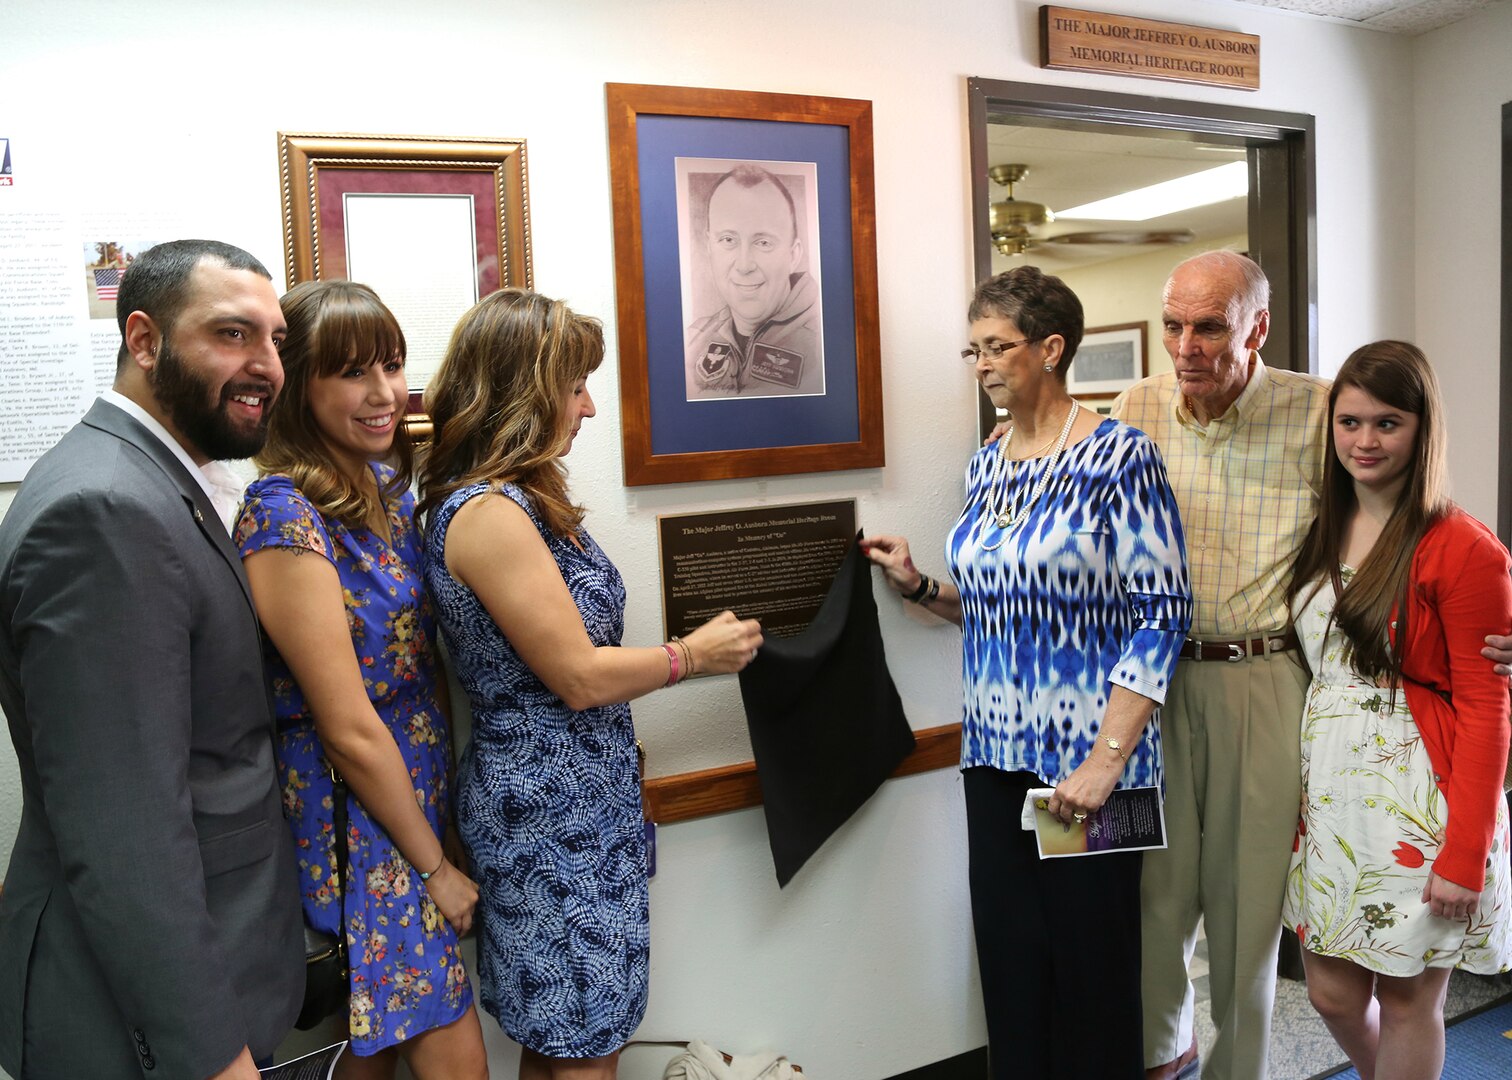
(499, 401)
(332, 326)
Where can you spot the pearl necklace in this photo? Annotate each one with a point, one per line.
(996, 508)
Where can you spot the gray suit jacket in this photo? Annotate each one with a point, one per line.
(150, 924)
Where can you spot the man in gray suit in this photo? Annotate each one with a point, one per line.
(150, 921)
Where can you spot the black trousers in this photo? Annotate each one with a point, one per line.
(1057, 944)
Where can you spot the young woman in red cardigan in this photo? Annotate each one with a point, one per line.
(1400, 871)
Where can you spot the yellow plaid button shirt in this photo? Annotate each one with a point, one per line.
(1247, 486)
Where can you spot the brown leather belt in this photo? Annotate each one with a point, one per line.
(1238, 649)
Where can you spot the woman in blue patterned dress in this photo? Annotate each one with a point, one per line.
(532, 611)
(1069, 583)
(356, 684)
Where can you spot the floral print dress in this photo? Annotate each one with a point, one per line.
(407, 975)
(1371, 823)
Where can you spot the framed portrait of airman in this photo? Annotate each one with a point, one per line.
(432, 224)
(746, 275)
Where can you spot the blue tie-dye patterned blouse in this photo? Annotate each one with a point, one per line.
(1089, 592)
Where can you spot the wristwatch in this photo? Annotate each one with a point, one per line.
(1115, 746)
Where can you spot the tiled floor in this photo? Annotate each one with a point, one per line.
(1301, 1046)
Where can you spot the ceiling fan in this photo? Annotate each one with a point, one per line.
(1013, 221)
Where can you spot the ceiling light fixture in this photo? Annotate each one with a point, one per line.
(1012, 218)
(1204, 188)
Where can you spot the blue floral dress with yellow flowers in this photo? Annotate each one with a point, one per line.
(407, 975)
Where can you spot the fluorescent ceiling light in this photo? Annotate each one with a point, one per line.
(1199, 189)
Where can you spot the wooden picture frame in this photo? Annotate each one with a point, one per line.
(1117, 359)
(433, 224)
(801, 389)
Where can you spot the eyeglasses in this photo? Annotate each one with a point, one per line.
(994, 349)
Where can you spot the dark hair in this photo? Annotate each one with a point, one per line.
(156, 282)
(1397, 374)
(1037, 303)
(499, 401)
(333, 326)
(747, 175)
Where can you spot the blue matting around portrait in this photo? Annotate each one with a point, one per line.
(679, 426)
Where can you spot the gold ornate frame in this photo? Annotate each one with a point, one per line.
(407, 164)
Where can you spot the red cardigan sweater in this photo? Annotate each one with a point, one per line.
(1459, 592)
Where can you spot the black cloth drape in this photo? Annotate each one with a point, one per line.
(825, 719)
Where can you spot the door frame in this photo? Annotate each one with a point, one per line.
(1282, 224)
(1504, 414)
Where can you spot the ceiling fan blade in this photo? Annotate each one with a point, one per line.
(1124, 236)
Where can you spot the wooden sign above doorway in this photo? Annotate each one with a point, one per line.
(1073, 40)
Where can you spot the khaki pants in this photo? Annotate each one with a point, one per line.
(1230, 733)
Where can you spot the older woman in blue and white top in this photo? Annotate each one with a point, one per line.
(1068, 580)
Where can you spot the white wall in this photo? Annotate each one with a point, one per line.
(1462, 79)
(863, 967)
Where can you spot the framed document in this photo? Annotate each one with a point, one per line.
(432, 225)
(1109, 360)
(746, 274)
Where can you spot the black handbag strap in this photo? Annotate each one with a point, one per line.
(339, 842)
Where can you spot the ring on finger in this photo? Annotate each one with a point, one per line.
(1079, 817)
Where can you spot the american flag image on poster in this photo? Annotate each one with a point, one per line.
(107, 283)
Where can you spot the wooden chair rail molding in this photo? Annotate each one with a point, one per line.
(689, 795)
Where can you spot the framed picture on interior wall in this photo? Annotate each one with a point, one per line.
(746, 273)
(433, 225)
(1109, 360)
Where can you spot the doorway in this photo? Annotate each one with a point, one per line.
(1088, 142)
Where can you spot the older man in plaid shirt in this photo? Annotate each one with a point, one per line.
(1243, 445)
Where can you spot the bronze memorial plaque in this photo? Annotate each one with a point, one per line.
(773, 563)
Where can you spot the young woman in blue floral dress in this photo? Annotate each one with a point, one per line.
(1399, 872)
(328, 538)
(548, 797)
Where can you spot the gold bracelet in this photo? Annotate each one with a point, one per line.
(688, 669)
